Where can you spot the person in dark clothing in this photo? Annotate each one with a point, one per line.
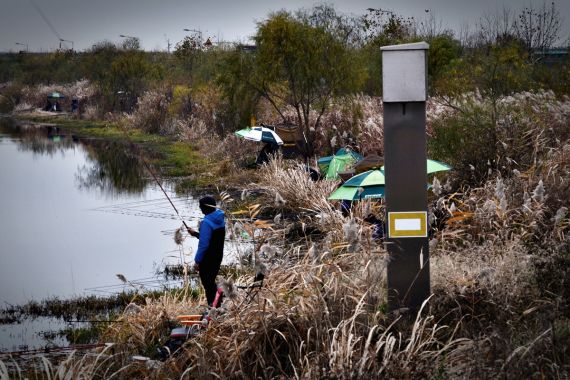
(211, 246)
(345, 207)
(268, 149)
(313, 173)
(379, 228)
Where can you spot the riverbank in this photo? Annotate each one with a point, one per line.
(499, 256)
(172, 159)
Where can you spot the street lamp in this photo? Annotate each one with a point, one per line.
(62, 40)
(21, 44)
(195, 31)
(130, 42)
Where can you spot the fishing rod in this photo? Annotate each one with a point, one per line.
(147, 166)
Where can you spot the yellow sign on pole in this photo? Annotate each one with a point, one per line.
(407, 224)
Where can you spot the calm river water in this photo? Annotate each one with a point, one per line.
(74, 214)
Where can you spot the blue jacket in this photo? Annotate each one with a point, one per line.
(212, 235)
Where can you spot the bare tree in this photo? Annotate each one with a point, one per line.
(387, 24)
(430, 26)
(539, 28)
(346, 28)
(495, 27)
(466, 36)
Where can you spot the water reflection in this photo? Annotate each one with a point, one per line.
(51, 225)
(38, 139)
(113, 168)
(54, 239)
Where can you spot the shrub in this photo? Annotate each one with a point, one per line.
(11, 94)
(515, 132)
(151, 113)
(181, 103)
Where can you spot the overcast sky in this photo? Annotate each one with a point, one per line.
(155, 21)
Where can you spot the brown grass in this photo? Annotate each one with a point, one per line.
(499, 308)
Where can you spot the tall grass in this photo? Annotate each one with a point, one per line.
(499, 260)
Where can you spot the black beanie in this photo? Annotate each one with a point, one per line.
(207, 204)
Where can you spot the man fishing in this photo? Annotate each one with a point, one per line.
(211, 245)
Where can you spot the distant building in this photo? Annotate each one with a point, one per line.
(552, 56)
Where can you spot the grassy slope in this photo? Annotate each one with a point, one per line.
(173, 158)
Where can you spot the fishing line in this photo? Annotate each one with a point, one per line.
(147, 166)
(150, 208)
(54, 350)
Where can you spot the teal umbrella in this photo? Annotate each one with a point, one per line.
(354, 193)
(368, 178)
(434, 166)
(369, 184)
(56, 95)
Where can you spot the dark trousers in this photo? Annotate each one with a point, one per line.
(208, 272)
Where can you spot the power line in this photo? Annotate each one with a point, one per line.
(46, 20)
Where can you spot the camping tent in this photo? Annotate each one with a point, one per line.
(339, 164)
(340, 161)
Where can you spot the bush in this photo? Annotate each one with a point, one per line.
(181, 103)
(466, 140)
(10, 96)
(513, 132)
(151, 113)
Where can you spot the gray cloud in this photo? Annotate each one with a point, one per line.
(86, 22)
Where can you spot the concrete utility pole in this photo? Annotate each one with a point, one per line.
(404, 82)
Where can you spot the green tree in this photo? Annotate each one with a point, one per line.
(443, 49)
(129, 75)
(470, 138)
(379, 28)
(235, 78)
(49, 68)
(303, 66)
(188, 52)
(494, 71)
(97, 59)
(122, 73)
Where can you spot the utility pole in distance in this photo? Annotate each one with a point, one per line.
(404, 85)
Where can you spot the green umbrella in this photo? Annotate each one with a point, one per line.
(370, 184)
(434, 166)
(56, 95)
(354, 193)
(368, 178)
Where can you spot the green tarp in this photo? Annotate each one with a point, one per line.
(340, 161)
(339, 164)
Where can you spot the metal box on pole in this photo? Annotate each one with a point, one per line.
(404, 83)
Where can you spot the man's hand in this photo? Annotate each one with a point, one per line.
(193, 232)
